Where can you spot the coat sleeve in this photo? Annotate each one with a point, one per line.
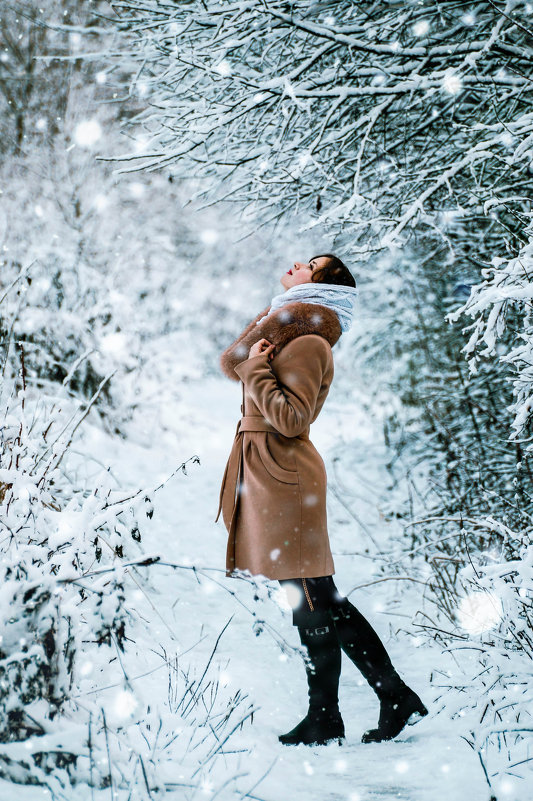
(288, 398)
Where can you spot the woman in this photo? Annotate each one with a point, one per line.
(273, 494)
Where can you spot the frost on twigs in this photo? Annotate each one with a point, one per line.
(499, 303)
(68, 555)
(352, 94)
(56, 604)
(480, 616)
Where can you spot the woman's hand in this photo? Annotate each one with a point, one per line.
(261, 348)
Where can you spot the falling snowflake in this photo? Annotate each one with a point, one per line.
(507, 139)
(209, 236)
(479, 612)
(421, 28)
(469, 18)
(137, 189)
(224, 678)
(294, 595)
(141, 144)
(115, 343)
(285, 315)
(75, 40)
(124, 704)
(100, 202)
(207, 785)
(223, 68)
(87, 133)
(274, 554)
(507, 787)
(452, 83)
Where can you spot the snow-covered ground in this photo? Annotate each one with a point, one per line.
(181, 611)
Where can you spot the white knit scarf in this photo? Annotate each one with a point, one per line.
(340, 299)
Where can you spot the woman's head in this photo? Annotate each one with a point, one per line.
(323, 269)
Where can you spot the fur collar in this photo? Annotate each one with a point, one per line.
(282, 326)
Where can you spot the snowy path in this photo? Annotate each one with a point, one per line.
(177, 609)
(429, 760)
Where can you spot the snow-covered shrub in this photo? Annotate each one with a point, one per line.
(501, 302)
(64, 552)
(54, 535)
(482, 620)
(433, 213)
(462, 440)
(384, 121)
(490, 596)
(36, 654)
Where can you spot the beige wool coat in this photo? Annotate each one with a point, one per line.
(273, 493)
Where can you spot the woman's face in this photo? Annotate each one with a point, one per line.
(301, 272)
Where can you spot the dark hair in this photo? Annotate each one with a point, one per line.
(335, 272)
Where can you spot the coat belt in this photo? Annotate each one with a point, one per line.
(255, 423)
(232, 473)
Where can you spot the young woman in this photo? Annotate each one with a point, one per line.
(273, 494)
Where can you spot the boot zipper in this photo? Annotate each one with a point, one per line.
(308, 596)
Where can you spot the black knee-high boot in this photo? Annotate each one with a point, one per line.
(362, 645)
(323, 722)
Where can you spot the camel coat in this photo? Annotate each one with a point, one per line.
(273, 493)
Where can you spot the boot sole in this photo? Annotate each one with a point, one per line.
(339, 740)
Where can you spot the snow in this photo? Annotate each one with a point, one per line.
(173, 613)
(205, 656)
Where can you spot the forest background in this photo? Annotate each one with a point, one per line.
(162, 165)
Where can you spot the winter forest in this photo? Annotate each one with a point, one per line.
(162, 164)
